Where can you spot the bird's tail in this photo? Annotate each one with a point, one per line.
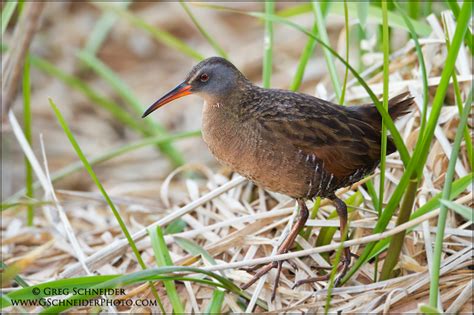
(397, 107)
(400, 105)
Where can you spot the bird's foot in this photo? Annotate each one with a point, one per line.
(264, 270)
(256, 267)
(284, 247)
(343, 267)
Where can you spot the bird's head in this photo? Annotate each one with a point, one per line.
(213, 79)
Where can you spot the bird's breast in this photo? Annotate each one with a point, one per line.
(247, 150)
(230, 140)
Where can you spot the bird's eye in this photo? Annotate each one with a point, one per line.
(204, 77)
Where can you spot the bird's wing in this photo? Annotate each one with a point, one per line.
(342, 141)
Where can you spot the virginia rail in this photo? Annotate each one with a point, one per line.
(286, 142)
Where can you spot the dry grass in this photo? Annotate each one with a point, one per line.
(232, 219)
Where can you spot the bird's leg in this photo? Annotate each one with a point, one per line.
(341, 209)
(284, 247)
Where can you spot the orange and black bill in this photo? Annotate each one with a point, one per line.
(181, 90)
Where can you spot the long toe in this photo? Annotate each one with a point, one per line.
(261, 272)
(310, 280)
(250, 268)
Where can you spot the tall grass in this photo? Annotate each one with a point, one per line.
(28, 135)
(163, 258)
(268, 45)
(101, 188)
(204, 33)
(150, 127)
(157, 33)
(448, 183)
(321, 28)
(7, 12)
(422, 148)
(386, 74)
(346, 72)
(96, 181)
(102, 29)
(409, 199)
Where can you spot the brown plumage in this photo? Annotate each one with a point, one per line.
(287, 142)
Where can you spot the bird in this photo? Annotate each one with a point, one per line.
(286, 142)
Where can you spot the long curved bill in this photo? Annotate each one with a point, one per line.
(181, 90)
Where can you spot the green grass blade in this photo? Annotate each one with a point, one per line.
(458, 187)
(28, 136)
(18, 279)
(101, 188)
(386, 73)
(422, 147)
(122, 89)
(7, 13)
(96, 181)
(461, 29)
(463, 211)
(373, 196)
(457, 95)
(66, 284)
(102, 29)
(363, 12)
(6, 206)
(374, 15)
(160, 35)
(194, 249)
(203, 32)
(176, 226)
(148, 275)
(428, 310)
(217, 300)
(334, 269)
(467, 135)
(321, 27)
(115, 110)
(84, 282)
(113, 153)
(163, 258)
(454, 6)
(268, 45)
(397, 240)
(421, 61)
(115, 82)
(413, 9)
(346, 73)
(443, 211)
(113, 281)
(306, 54)
(303, 62)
